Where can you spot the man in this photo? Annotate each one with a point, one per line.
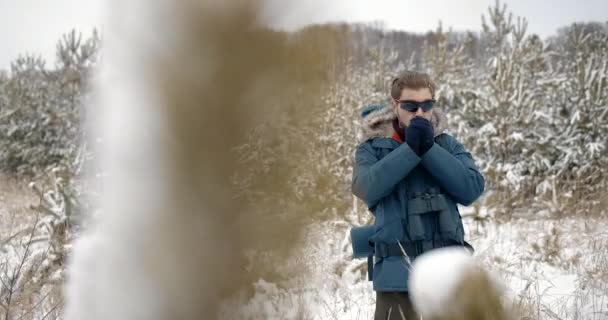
(411, 175)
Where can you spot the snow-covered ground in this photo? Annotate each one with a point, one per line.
(554, 269)
(336, 287)
(551, 269)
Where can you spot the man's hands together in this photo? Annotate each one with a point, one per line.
(419, 135)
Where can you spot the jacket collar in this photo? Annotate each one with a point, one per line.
(378, 123)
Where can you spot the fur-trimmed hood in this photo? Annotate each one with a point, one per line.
(379, 123)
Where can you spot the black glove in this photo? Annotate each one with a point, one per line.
(412, 138)
(419, 135)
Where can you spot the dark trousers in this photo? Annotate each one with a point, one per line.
(394, 306)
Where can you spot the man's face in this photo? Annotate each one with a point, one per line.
(418, 95)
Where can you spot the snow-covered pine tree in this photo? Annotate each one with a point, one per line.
(503, 118)
(40, 107)
(446, 60)
(579, 99)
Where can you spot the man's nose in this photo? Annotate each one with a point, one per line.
(419, 112)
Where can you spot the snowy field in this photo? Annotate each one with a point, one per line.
(551, 269)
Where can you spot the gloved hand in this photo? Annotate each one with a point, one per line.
(412, 138)
(419, 135)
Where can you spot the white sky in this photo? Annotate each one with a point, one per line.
(35, 26)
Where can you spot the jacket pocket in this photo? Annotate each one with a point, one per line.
(391, 273)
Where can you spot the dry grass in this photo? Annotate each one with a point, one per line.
(15, 201)
(555, 269)
(33, 252)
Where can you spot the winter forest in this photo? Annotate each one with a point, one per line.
(533, 112)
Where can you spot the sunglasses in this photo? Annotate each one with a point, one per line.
(412, 106)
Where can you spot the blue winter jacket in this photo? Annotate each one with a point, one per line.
(414, 199)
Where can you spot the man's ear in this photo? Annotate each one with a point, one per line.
(394, 105)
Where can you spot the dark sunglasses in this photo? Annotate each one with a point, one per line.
(412, 106)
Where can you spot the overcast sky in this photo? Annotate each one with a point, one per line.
(35, 25)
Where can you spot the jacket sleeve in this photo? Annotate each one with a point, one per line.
(455, 171)
(374, 179)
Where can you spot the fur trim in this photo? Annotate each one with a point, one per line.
(378, 123)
